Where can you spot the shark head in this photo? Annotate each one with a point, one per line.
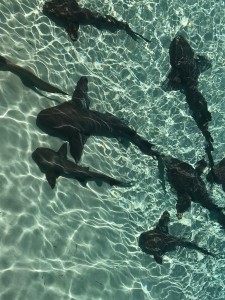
(43, 157)
(48, 162)
(59, 8)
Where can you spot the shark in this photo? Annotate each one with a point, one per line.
(189, 186)
(27, 77)
(74, 122)
(68, 14)
(186, 68)
(158, 241)
(55, 164)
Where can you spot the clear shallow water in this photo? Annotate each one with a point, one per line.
(81, 243)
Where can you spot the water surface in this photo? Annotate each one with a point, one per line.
(82, 243)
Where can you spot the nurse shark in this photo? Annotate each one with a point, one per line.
(70, 15)
(158, 241)
(74, 122)
(184, 74)
(55, 164)
(27, 77)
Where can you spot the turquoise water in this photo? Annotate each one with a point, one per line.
(82, 243)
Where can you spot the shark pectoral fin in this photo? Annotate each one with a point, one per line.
(77, 142)
(63, 150)
(158, 258)
(99, 182)
(183, 203)
(163, 222)
(51, 178)
(203, 63)
(200, 166)
(83, 183)
(25, 80)
(72, 29)
(80, 98)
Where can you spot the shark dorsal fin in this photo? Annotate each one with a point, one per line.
(203, 63)
(51, 178)
(163, 223)
(63, 151)
(80, 97)
(158, 258)
(77, 142)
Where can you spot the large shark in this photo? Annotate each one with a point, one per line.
(186, 181)
(158, 241)
(55, 164)
(28, 78)
(184, 74)
(75, 122)
(70, 15)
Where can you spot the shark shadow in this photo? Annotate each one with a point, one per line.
(74, 122)
(68, 14)
(189, 186)
(183, 76)
(158, 241)
(28, 78)
(54, 164)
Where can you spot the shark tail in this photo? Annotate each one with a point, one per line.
(28, 78)
(132, 33)
(144, 145)
(193, 245)
(113, 181)
(100, 178)
(142, 37)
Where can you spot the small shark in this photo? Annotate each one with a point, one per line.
(68, 14)
(55, 164)
(189, 186)
(28, 78)
(75, 122)
(183, 76)
(158, 241)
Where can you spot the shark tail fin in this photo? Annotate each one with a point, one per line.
(144, 145)
(193, 245)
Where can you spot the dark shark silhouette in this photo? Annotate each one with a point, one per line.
(183, 76)
(55, 164)
(158, 241)
(27, 77)
(189, 186)
(75, 122)
(70, 15)
(217, 174)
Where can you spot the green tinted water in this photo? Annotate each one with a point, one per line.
(82, 243)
